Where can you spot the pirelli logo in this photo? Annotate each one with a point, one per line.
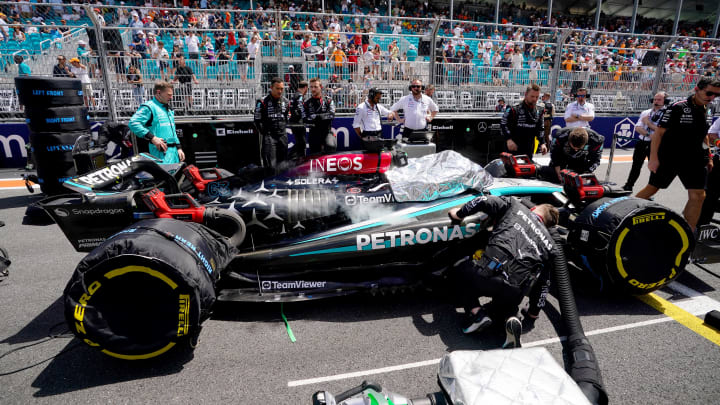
(184, 315)
(648, 217)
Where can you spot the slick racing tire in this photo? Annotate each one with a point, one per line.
(43, 92)
(631, 245)
(147, 289)
(52, 153)
(58, 119)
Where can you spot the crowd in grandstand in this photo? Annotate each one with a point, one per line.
(345, 43)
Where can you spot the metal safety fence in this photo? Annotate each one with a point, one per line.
(223, 60)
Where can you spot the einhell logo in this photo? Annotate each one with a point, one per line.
(648, 217)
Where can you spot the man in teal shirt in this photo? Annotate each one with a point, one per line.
(155, 122)
(23, 68)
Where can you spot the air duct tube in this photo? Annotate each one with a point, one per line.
(227, 223)
(580, 360)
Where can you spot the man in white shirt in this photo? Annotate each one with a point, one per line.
(193, 46)
(646, 125)
(418, 108)
(367, 116)
(579, 113)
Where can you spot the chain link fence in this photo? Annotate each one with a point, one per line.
(223, 60)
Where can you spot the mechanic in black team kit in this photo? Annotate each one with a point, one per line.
(516, 260)
(318, 113)
(523, 123)
(678, 148)
(271, 116)
(576, 149)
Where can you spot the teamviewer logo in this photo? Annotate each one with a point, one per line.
(266, 285)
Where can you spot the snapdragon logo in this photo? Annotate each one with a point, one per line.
(98, 211)
(292, 285)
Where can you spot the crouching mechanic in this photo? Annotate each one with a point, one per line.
(517, 258)
(576, 149)
(155, 121)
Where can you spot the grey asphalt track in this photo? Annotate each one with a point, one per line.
(246, 357)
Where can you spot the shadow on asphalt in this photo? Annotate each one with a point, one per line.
(48, 322)
(80, 367)
(20, 200)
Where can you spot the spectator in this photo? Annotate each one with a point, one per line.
(134, 78)
(61, 69)
(185, 76)
(339, 58)
(500, 107)
(193, 45)
(22, 68)
(223, 57)
(241, 53)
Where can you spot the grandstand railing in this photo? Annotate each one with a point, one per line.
(621, 71)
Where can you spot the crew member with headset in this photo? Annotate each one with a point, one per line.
(419, 109)
(295, 122)
(548, 114)
(646, 125)
(523, 123)
(679, 148)
(155, 121)
(576, 149)
(318, 113)
(367, 115)
(271, 116)
(580, 112)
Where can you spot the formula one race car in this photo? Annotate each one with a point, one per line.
(167, 242)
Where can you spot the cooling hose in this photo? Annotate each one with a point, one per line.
(227, 223)
(580, 359)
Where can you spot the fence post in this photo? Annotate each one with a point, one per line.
(279, 43)
(555, 73)
(433, 41)
(659, 68)
(102, 56)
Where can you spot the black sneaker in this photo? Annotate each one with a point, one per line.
(477, 322)
(513, 330)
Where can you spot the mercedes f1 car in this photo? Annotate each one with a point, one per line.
(167, 242)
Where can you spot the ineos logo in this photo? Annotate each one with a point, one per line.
(61, 212)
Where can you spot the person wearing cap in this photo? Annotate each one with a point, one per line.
(500, 107)
(580, 112)
(155, 122)
(418, 109)
(366, 122)
(81, 72)
(318, 113)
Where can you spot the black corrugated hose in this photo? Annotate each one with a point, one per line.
(580, 360)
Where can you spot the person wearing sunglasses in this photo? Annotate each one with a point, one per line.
(679, 147)
(580, 112)
(418, 108)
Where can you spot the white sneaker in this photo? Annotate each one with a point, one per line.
(513, 330)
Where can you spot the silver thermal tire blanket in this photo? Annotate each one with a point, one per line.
(436, 176)
(502, 377)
